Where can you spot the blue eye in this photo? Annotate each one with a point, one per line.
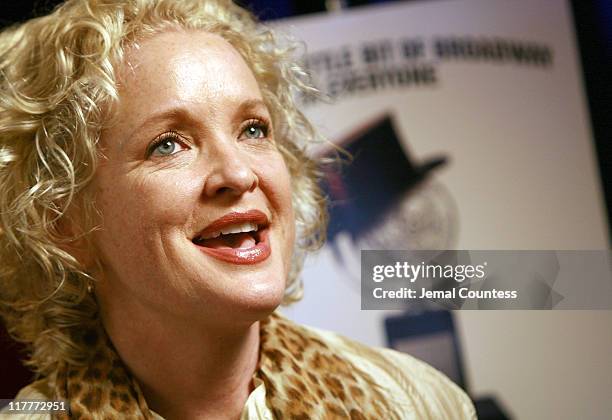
(255, 130)
(167, 145)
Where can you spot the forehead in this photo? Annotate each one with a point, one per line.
(185, 66)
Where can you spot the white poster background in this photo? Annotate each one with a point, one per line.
(522, 174)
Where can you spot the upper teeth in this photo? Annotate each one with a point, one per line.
(237, 228)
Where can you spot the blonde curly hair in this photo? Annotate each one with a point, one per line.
(58, 84)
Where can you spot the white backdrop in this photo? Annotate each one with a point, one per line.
(522, 174)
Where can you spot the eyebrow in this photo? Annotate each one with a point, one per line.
(251, 105)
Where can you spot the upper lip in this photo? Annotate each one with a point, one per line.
(252, 216)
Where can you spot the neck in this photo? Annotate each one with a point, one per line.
(186, 371)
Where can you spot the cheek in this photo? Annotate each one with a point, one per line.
(275, 180)
(135, 212)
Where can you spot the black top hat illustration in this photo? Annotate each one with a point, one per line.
(380, 172)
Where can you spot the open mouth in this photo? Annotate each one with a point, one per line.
(241, 236)
(238, 238)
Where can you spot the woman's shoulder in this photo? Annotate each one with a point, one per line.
(406, 382)
(40, 391)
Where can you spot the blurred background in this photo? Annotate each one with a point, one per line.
(473, 124)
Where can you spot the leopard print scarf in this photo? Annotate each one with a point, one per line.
(304, 379)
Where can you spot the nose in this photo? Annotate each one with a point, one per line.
(231, 173)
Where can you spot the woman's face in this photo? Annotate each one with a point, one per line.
(194, 194)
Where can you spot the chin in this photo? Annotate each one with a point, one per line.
(264, 297)
(252, 299)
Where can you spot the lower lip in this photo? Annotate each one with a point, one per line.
(253, 255)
